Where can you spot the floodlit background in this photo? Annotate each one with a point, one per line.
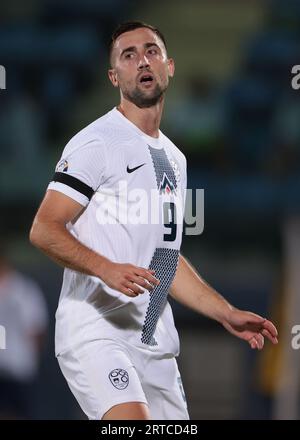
(233, 112)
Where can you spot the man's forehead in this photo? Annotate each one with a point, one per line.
(137, 37)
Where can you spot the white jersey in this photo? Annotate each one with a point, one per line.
(132, 187)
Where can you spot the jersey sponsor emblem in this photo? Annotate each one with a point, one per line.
(62, 165)
(130, 170)
(119, 378)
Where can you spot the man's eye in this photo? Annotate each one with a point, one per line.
(152, 51)
(129, 55)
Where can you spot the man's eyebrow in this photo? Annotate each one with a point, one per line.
(133, 48)
(128, 49)
(146, 45)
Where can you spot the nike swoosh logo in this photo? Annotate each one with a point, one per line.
(130, 170)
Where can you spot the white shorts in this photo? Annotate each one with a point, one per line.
(106, 372)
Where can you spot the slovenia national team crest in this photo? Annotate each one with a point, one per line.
(119, 378)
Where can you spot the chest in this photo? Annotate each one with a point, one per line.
(144, 167)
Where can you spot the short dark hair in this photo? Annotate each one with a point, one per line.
(131, 26)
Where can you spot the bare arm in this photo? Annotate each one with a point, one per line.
(192, 291)
(49, 233)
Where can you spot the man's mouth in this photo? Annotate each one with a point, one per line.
(147, 78)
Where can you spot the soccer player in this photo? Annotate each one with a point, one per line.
(116, 342)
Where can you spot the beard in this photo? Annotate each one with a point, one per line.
(142, 99)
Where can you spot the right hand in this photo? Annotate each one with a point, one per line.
(128, 278)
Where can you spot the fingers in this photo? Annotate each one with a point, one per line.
(260, 341)
(134, 287)
(253, 343)
(268, 335)
(137, 279)
(270, 327)
(148, 274)
(253, 318)
(128, 292)
(141, 282)
(267, 329)
(257, 341)
(135, 282)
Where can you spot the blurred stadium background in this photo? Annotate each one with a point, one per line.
(233, 112)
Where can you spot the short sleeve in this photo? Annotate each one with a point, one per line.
(80, 172)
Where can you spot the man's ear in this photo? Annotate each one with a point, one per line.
(171, 67)
(112, 74)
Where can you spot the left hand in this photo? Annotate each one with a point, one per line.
(251, 328)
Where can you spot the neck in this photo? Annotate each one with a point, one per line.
(146, 119)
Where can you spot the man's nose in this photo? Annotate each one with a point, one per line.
(143, 62)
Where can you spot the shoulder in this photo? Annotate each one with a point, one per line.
(89, 135)
(95, 135)
(106, 133)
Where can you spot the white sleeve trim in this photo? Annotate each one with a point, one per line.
(70, 192)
